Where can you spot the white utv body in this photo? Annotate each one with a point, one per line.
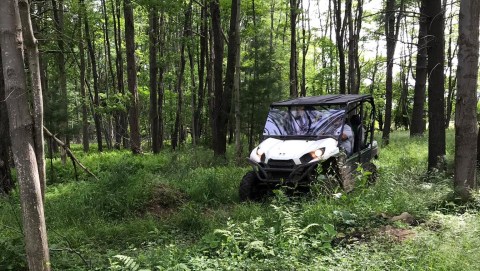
(313, 139)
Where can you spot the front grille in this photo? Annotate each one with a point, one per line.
(281, 163)
(278, 175)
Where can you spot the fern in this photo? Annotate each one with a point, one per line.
(126, 263)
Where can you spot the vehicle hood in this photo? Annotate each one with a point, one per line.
(293, 149)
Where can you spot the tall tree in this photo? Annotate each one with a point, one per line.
(153, 43)
(161, 71)
(233, 34)
(218, 126)
(451, 78)
(352, 73)
(6, 181)
(236, 86)
(135, 141)
(305, 44)
(83, 93)
(93, 60)
(22, 137)
(294, 5)
(255, 75)
(58, 18)
(109, 76)
(210, 83)
(31, 46)
(339, 36)
(177, 131)
(355, 40)
(392, 25)
(466, 105)
(436, 85)
(191, 60)
(417, 127)
(197, 115)
(121, 117)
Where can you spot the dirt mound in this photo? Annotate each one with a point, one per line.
(396, 234)
(165, 200)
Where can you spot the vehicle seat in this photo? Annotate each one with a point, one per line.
(358, 133)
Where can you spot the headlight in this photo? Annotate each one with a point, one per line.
(261, 154)
(317, 153)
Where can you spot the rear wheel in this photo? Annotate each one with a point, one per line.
(249, 188)
(333, 180)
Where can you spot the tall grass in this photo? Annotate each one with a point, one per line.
(181, 209)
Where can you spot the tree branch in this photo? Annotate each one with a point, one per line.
(69, 152)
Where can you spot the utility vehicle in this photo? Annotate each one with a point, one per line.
(304, 143)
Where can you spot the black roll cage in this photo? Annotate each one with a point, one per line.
(349, 101)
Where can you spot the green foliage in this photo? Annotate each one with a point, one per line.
(445, 242)
(125, 263)
(282, 244)
(12, 256)
(180, 211)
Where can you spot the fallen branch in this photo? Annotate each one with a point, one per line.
(69, 152)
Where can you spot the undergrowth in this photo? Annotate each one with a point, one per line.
(180, 211)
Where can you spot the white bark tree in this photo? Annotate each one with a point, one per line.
(34, 66)
(466, 104)
(22, 134)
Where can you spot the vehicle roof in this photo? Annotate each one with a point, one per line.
(337, 99)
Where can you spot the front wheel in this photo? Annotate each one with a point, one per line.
(249, 188)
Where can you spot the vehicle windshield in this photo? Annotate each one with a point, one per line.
(308, 121)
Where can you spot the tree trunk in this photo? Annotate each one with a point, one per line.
(197, 118)
(305, 45)
(272, 29)
(31, 45)
(96, 100)
(380, 119)
(451, 76)
(192, 80)
(22, 134)
(339, 35)
(176, 136)
(352, 72)
(161, 84)
(6, 181)
(238, 134)
(466, 105)
(356, 55)
(220, 113)
(392, 25)
(417, 127)
(135, 141)
(108, 53)
(375, 70)
(255, 76)
(210, 82)
(153, 38)
(121, 117)
(60, 63)
(83, 95)
(233, 33)
(436, 89)
(293, 48)
(403, 120)
(110, 131)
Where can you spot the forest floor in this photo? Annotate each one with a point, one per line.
(180, 211)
